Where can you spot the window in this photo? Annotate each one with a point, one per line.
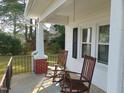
(103, 44)
(86, 41)
(75, 40)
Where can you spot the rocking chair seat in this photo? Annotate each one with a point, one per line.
(77, 85)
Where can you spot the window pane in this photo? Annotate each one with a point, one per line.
(86, 49)
(103, 54)
(86, 35)
(75, 39)
(104, 34)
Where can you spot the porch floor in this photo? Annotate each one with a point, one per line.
(32, 83)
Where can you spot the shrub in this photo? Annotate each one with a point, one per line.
(9, 45)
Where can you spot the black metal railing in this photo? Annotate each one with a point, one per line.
(5, 82)
(22, 64)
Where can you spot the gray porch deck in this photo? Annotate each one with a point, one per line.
(31, 83)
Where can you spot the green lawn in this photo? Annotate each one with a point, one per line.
(3, 64)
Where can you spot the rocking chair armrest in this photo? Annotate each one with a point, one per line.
(67, 71)
(57, 70)
(83, 81)
(71, 75)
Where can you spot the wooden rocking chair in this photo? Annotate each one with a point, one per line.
(81, 85)
(60, 67)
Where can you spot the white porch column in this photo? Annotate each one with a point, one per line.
(116, 52)
(40, 42)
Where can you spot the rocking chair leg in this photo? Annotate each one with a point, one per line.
(88, 91)
(70, 90)
(55, 73)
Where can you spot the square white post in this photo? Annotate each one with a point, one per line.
(39, 58)
(116, 49)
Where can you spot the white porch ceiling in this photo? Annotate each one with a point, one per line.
(67, 10)
(82, 6)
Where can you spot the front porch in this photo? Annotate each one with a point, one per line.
(32, 83)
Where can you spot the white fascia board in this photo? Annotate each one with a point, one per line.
(56, 4)
(28, 7)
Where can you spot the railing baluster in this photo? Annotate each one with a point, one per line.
(18, 64)
(30, 63)
(22, 64)
(15, 65)
(26, 61)
(19, 61)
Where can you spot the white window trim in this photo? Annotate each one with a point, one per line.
(99, 43)
(81, 42)
(95, 29)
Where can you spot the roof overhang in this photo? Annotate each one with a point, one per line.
(64, 11)
(40, 9)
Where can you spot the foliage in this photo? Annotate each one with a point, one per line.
(12, 19)
(57, 44)
(11, 15)
(61, 39)
(9, 45)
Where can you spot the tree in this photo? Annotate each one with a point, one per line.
(61, 39)
(11, 15)
(58, 43)
(30, 35)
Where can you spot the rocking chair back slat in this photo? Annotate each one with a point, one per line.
(62, 58)
(88, 68)
(60, 66)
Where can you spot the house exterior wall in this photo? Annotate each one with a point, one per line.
(94, 21)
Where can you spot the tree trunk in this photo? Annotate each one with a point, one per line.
(26, 32)
(14, 24)
(30, 29)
